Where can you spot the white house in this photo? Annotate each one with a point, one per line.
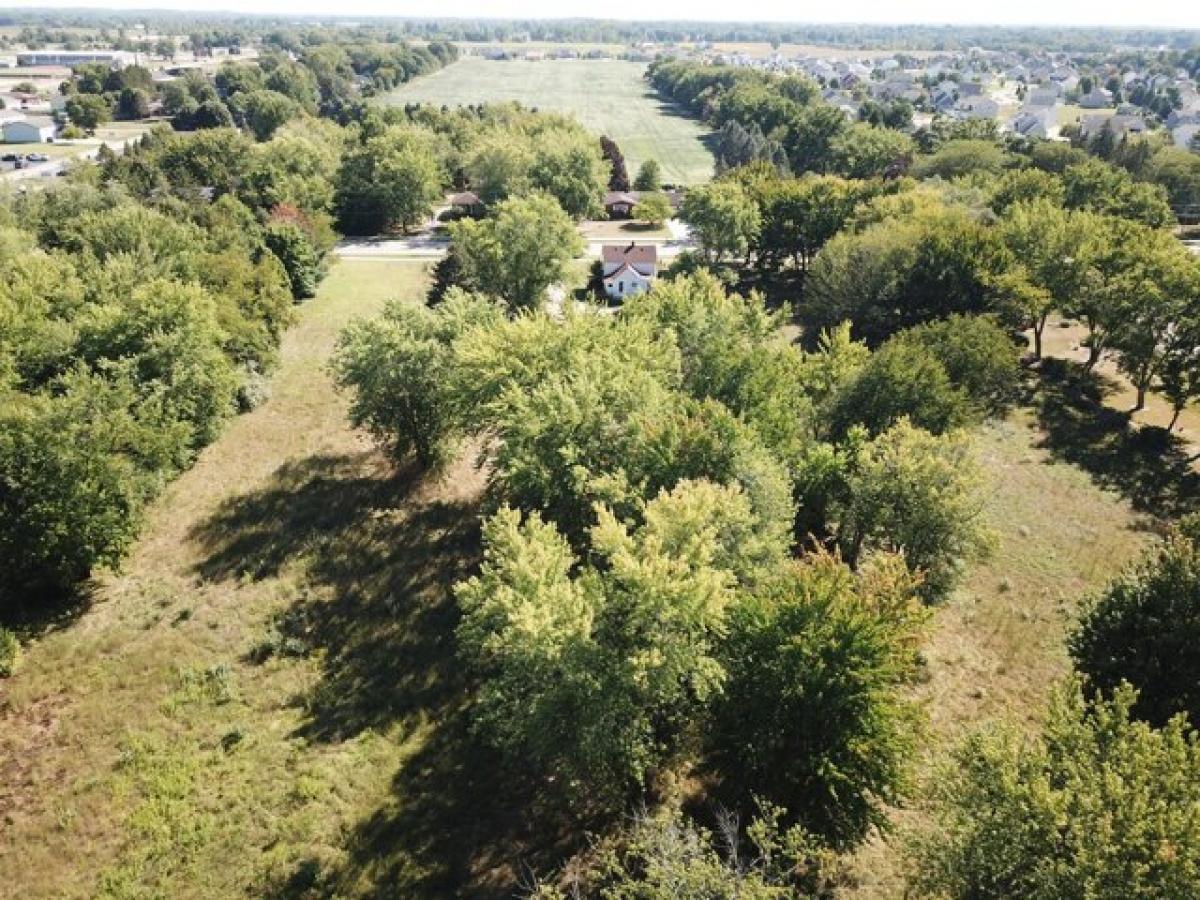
(33, 130)
(628, 269)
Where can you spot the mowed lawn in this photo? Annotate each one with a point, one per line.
(608, 96)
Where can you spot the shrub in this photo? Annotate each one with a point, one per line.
(1144, 629)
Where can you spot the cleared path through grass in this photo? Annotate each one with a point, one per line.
(608, 96)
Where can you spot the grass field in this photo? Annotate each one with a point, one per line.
(607, 96)
(265, 701)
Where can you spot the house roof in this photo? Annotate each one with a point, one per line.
(626, 268)
(466, 198)
(620, 197)
(629, 254)
(33, 121)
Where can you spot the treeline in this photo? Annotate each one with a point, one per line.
(1063, 234)
(1149, 158)
(892, 37)
(329, 79)
(244, 28)
(141, 305)
(782, 120)
(405, 158)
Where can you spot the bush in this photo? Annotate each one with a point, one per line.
(1144, 629)
(666, 856)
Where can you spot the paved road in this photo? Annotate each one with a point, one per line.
(428, 247)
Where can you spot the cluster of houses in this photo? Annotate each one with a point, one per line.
(1025, 93)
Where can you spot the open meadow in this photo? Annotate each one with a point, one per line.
(607, 96)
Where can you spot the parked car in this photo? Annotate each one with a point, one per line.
(9, 157)
(37, 157)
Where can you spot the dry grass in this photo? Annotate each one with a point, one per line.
(998, 645)
(1064, 340)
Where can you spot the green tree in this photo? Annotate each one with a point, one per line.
(917, 494)
(393, 179)
(295, 251)
(653, 208)
(723, 219)
(1141, 629)
(591, 674)
(867, 151)
(800, 215)
(570, 168)
(264, 112)
(649, 176)
(903, 379)
(88, 111)
(813, 715)
(522, 248)
(499, 166)
(962, 157)
(400, 368)
(133, 103)
(1098, 805)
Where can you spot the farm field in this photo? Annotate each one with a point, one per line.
(607, 96)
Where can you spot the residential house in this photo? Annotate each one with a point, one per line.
(976, 108)
(1120, 125)
(1185, 133)
(628, 269)
(1035, 122)
(620, 204)
(1097, 98)
(467, 203)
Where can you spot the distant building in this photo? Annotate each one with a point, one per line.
(628, 269)
(32, 130)
(467, 203)
(1097, 98)
(115, 58)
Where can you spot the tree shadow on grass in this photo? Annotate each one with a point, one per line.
(1146, 465)
(380, 560)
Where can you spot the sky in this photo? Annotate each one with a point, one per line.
(1178, 13)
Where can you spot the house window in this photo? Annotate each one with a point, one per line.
(620, 287)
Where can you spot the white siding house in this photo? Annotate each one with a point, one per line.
(628, 269)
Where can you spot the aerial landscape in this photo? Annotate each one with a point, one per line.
(462, 453)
